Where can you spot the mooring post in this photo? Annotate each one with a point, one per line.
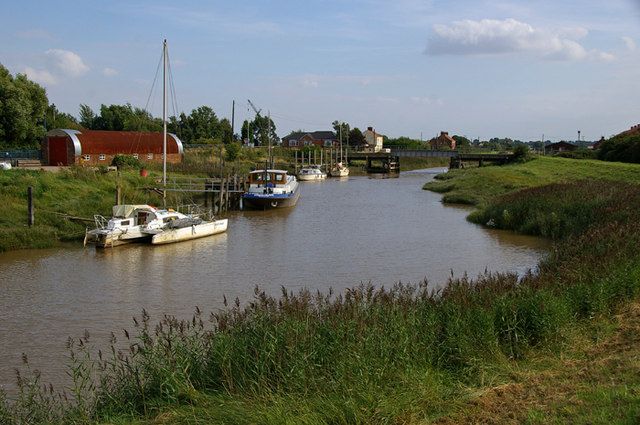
(30, 218)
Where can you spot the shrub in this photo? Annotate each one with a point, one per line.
(126, 161)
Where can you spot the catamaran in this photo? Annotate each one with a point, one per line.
(132, 223)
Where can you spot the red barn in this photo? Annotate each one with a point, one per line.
(92, 147)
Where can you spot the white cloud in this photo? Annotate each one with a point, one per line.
(495, 37)
(68, 62)
(630, 43)
(109, 72)
(40, 76)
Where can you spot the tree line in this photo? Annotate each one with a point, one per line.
(26, 115)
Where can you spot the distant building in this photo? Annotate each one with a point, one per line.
(373, 140)
(316, 138)
(442, 142)
(559, 147)
(91, 147)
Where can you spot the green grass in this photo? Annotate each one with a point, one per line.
(478, 186)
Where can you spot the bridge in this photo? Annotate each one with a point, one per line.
(457, 159)
(381, 162)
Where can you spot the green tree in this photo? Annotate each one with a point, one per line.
(23, 105)
(356, 138)
(345, 129)
(56, 119)
(461, 142)
(260, 130)
(87, 117)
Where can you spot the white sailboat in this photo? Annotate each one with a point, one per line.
(340, 169)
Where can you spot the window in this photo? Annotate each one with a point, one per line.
(135, 155)
(86, 157)
(102, 157)
(328, 143)
(293, 143)
(149, 156)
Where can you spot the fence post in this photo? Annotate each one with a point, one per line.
(30, 218)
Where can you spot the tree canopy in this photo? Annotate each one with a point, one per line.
(23, 104)
(257, 131)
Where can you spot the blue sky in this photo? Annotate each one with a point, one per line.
(479, 68)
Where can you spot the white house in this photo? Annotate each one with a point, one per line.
(373, 139)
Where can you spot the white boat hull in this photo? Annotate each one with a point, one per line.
(311, 177)
(108, 239)
(340, 172)
(191, 232)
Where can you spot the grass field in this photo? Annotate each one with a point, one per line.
(477, 186)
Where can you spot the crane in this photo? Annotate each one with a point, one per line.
(256, 110)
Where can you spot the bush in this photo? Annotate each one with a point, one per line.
(126, 161)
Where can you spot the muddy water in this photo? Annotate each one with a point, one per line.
(341, 233)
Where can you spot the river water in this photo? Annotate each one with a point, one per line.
(341, 233)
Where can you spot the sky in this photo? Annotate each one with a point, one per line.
(478, 68)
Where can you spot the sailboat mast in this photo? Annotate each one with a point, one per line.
(164, 118)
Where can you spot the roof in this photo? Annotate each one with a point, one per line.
(98, 141)
(316, 135)
(561, 143)
(268, 171)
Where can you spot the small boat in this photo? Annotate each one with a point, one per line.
(311, 173)
(270, 188)
(340, 170)
(144, 223)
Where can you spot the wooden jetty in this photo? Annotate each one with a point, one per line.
(220, 194)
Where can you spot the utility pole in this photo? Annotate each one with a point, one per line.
(233, 121)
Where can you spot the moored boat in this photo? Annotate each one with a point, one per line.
(311, 173)
(340, 170)
(271, 188)
(144, 223)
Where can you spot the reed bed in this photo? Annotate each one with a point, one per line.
(368, 355)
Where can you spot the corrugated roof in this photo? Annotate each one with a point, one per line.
(97, 142)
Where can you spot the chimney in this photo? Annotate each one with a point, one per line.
(444, 133)
(370, 128)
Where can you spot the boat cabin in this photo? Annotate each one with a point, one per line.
(273, 177)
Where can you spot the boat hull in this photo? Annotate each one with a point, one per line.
(311, 177)
(190, 232)
(106, 239)
(269, 201)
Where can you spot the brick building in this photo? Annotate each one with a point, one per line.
(443, 142)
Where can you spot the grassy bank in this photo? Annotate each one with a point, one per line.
(477, 186)
(399, 355)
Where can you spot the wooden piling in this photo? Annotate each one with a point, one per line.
(31, 215)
